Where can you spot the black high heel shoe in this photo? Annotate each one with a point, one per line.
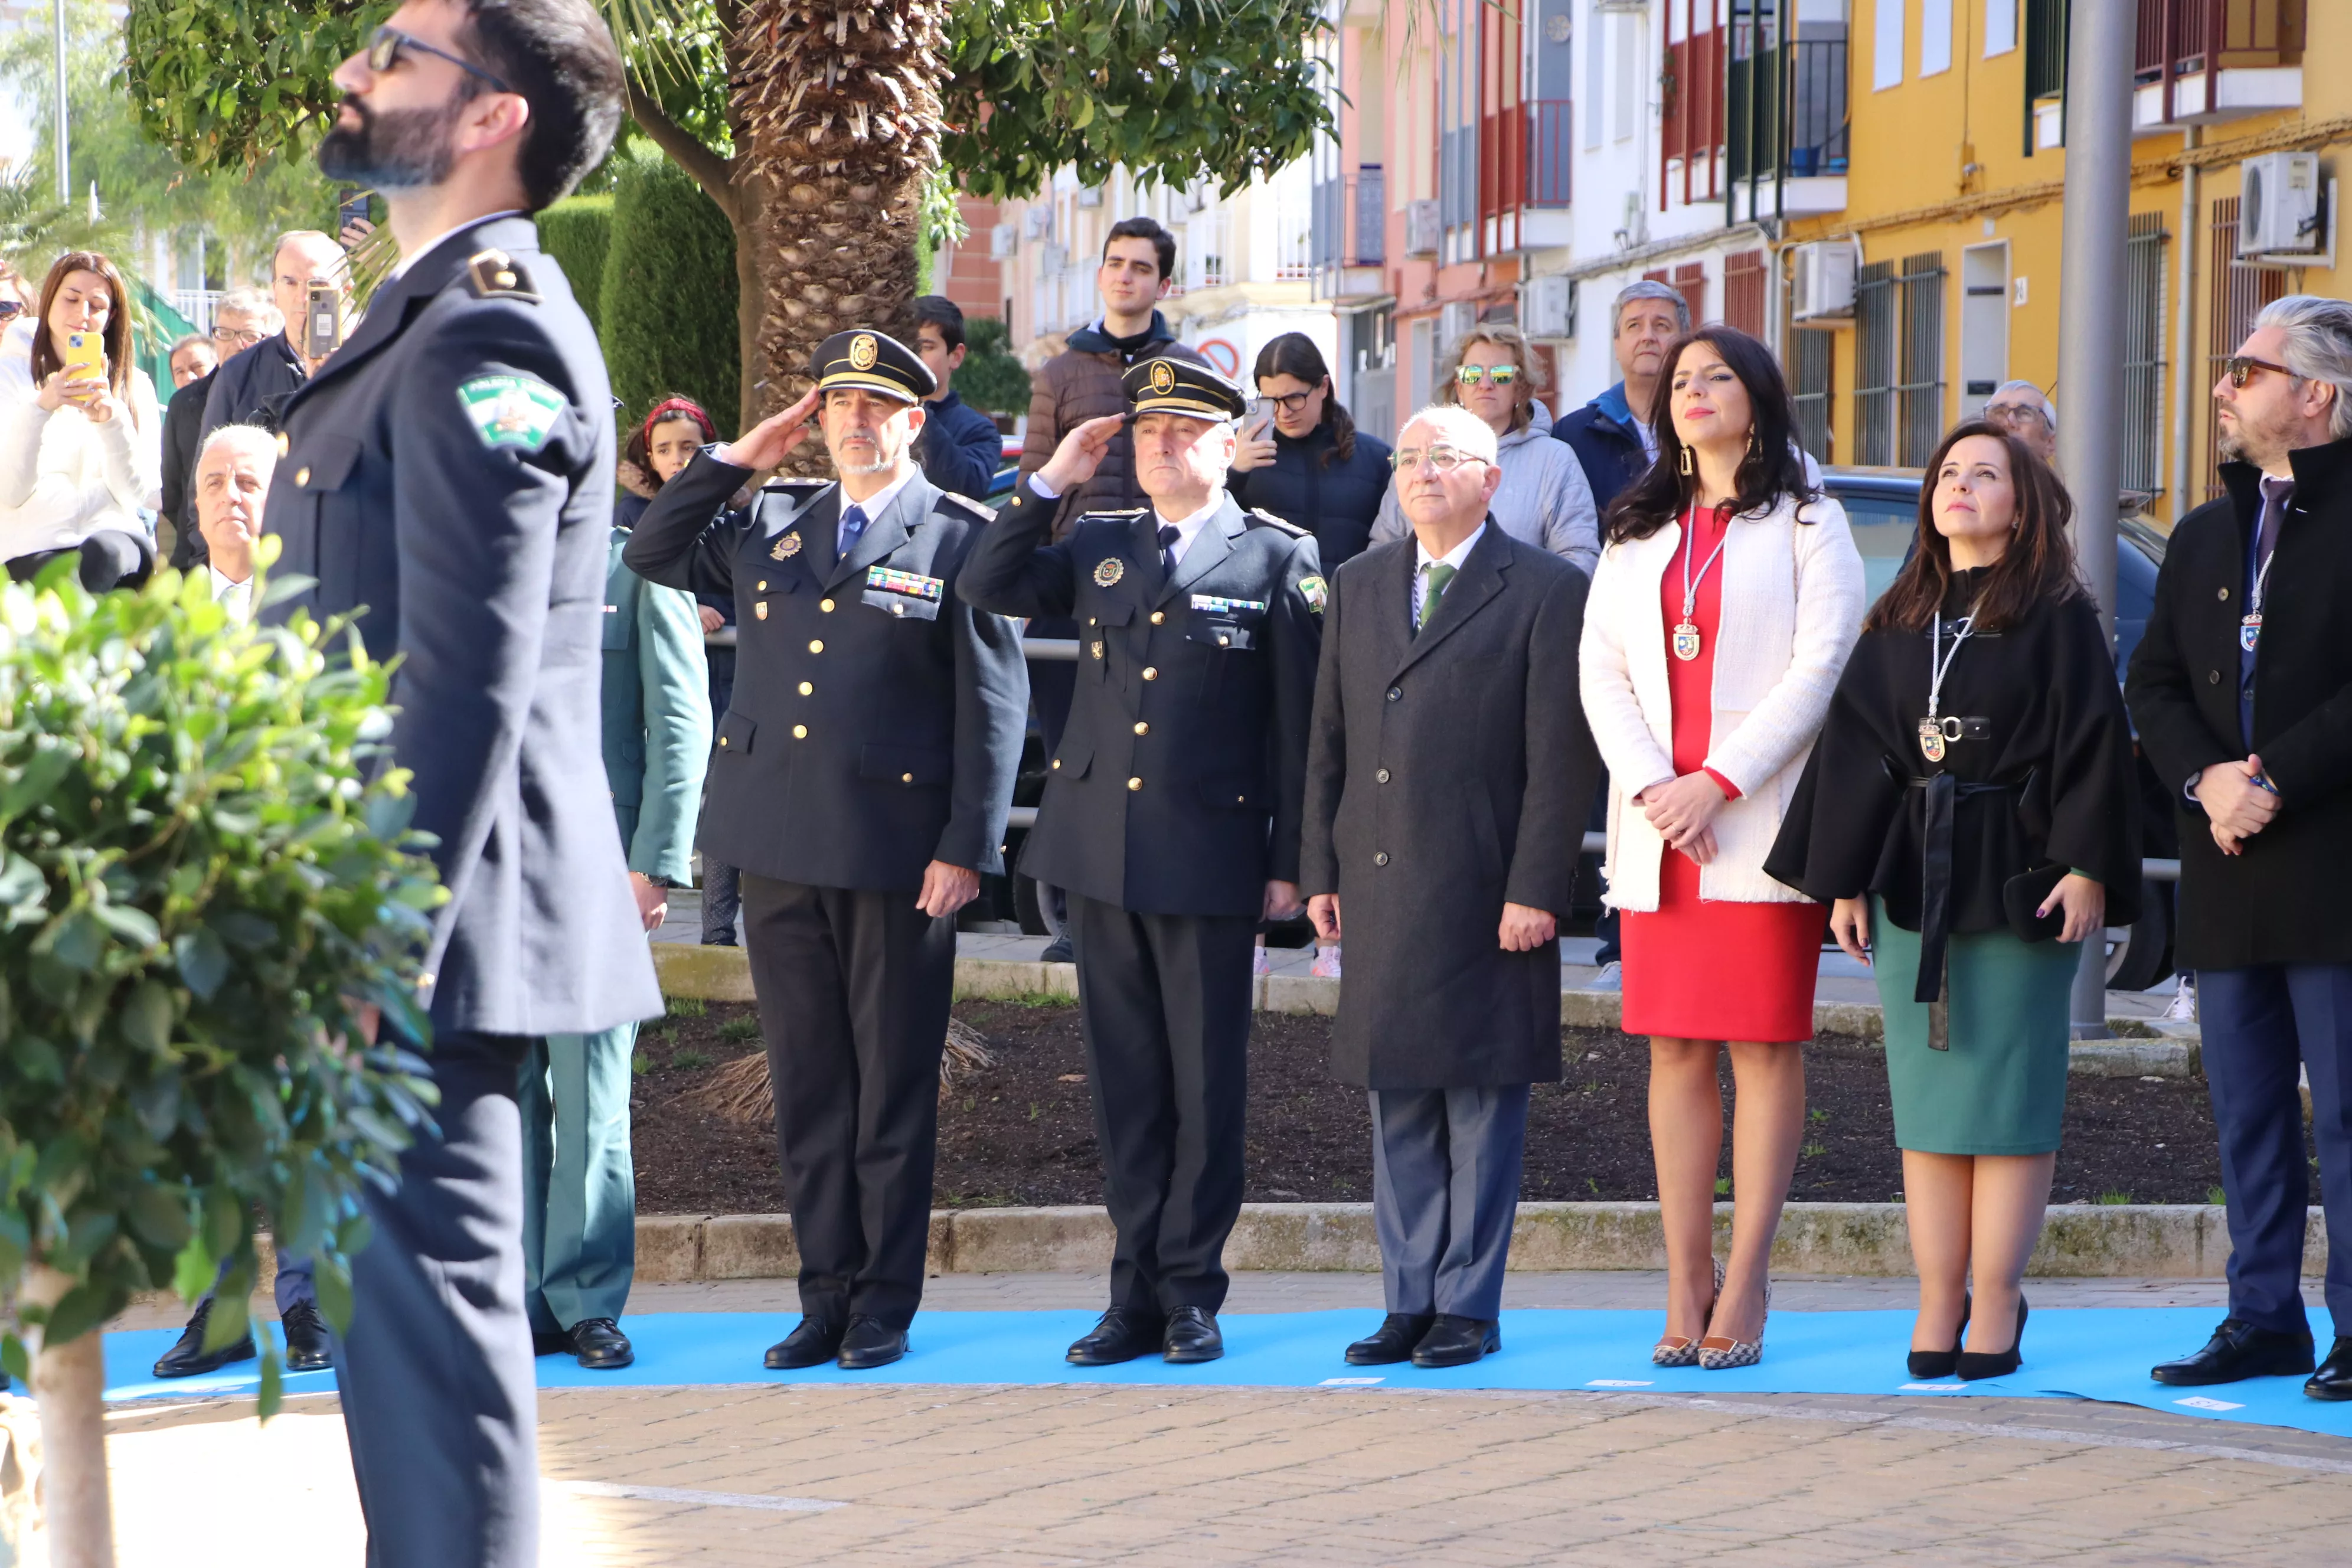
(1927, 1365)
(1974, 1365)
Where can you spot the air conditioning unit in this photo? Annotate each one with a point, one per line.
(1090, 197)
(1004, 242)
(1038, 222)
(1548, 307)
(1635, 8)
(1452, 320)
(1421, 228)
(1052, 259)
(2278, 205)
(1823, 285)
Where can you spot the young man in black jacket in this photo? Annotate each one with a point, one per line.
(961, 448)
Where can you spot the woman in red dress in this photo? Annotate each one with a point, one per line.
(1728, 597)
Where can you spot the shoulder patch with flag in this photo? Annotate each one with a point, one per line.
(511, 410)
(1314, 590)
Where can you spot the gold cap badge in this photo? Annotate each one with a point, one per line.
(863, 350)
(1163, 378)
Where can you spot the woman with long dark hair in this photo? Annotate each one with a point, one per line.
(1972, 798)
(1301, 457)
(1727, 599)
(82, 450)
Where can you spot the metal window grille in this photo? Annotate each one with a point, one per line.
(1920, 395)
(1690, 281)
(2239, 295)
(2142, 430)
(2045, 58)
(1813, 353)
(1743, 291)
(1877, 303)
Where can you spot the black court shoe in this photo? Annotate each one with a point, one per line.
(814, 1344)
(1121, 1335)
(1976, 1365)
(190, 1359)
(1393, 1341)
(1929, 1364)
(1192, 1336)
(2239, 1350)
(601, 1346)
(1457, 1342)
(307, 1346)
(870, 1342)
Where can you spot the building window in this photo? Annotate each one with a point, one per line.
(1887, 45)
(1935, 37)
(1920, 394)
(1743, 291)
(1691, 123)
(1876, 305)
(2045, 68)
(1812, 353)
(2001, 26)
(2240, 292)
(2143, 410)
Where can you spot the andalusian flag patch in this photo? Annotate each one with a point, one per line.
(511, 410)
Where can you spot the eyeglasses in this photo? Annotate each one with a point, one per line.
(2241, 368)
(243, 337)
(1499, 374)
(1445, 459)
(1288, 402)
(11, 309)
(2010, 415)
(386, 45)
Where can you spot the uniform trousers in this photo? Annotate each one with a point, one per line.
(580, 1188)
(1445, 1188)
(1164, 1003)
(854, 988)
(2260, 1024)
(438, 1392)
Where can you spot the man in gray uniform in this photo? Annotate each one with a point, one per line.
(862, 780)
(1171, 816)
(447, 478)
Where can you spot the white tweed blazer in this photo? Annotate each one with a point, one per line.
(1791, 609)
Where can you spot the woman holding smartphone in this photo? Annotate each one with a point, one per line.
(1301, 457)
(81, 457)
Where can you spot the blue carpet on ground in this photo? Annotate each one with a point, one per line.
(2090, 1353)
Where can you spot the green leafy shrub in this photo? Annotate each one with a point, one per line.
(206, 876)
(576, 232)
(991, 377)
(667, 319)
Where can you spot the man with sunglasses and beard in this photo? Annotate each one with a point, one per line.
(2241, 689)
(447, 481)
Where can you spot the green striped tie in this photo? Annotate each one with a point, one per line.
(1436, 575)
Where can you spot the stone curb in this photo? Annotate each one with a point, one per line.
(724, 974)
(2150, 1241)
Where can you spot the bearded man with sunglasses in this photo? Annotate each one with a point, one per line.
(447, 481)
(2243, 692)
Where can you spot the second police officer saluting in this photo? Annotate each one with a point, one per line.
(863, 775)
(1171, 815)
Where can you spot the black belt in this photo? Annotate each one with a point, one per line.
(1944, 791)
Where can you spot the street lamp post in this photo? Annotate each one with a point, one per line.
(2099, 61)
(65, 182)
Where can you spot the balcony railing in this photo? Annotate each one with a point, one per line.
(1352, 219)
(1807, 77)
(2184, 39)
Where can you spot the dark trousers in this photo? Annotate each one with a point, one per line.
(854, 989)
(439, 1399)
(110, 558)
(2260, 1024)
(1052, 686)
(722, 901)
(1445, 1188)
(1164, 1002)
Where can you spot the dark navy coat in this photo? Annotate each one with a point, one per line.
(449, 473)
(876, 718)
(1178, 785)
(253, 386)
(960, 448)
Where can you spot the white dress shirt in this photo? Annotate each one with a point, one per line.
(1188, 528)
(236, 595)
(1453, 558)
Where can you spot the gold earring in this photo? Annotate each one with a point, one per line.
(1686, 460)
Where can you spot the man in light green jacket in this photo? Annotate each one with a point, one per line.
(580, 1201)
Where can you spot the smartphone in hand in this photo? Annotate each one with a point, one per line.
(85, 356)
(1260, 421)
(323, 320)
(354, 209)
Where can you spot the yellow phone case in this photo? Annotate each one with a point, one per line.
(85, 356)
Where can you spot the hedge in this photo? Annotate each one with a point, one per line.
(668, 321)
(576, 232)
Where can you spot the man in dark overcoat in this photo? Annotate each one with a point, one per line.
(863, 777)
(2243, 692)
(1449, 773)
(1171, 816)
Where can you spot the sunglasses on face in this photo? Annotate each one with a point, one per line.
(1445, 459)
(11, 309)
(1498, 374)
(2241, 368)
(386, 45)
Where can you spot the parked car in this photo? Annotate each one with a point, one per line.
(1882, 505)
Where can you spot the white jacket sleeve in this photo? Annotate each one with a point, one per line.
(22, 424)
(1605, 678)
(1829, 619)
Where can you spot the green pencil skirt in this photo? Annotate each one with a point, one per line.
(2002, 1087)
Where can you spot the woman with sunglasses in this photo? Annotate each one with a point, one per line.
(1723, 610)
(1301, 457)
(1544, 499)
(81, 457)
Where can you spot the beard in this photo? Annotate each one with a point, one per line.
(2243, 439)
(390, 150)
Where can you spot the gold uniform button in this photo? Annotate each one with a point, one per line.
(825, 604)
(799, 732)
(1058, 762)
(302, 476)
(760, 609)
(906, 778)
(723, 743)
(763, 584)
(1135, 783)
(1149, 673)
(1159, 617)
(816, 645)
(1141, 727)
(285, 443)
(806, 690)
(1223, 641)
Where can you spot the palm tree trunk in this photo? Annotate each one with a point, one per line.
(70, 1384)
(841, 102)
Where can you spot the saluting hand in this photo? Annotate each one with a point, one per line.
(1074, 462)
(776, 438)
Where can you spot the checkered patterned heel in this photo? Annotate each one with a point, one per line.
(1676, 1352)
(1717, 1354)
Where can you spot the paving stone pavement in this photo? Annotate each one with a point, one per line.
(1154, 1476)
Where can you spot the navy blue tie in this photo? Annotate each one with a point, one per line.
(853, 524)
(1169, 534)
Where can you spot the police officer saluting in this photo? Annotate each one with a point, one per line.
(862, 775)
(1172, 815)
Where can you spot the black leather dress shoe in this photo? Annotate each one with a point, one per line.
(814, 1344)
(1191, 1335)
(870, 1342)
(1121, 1335)
(1393, 1341)
(1457, 1342)
(2239, 1350)
(306, 1339)
(2334, 1378)
(190, 1359)
(601, 1346)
